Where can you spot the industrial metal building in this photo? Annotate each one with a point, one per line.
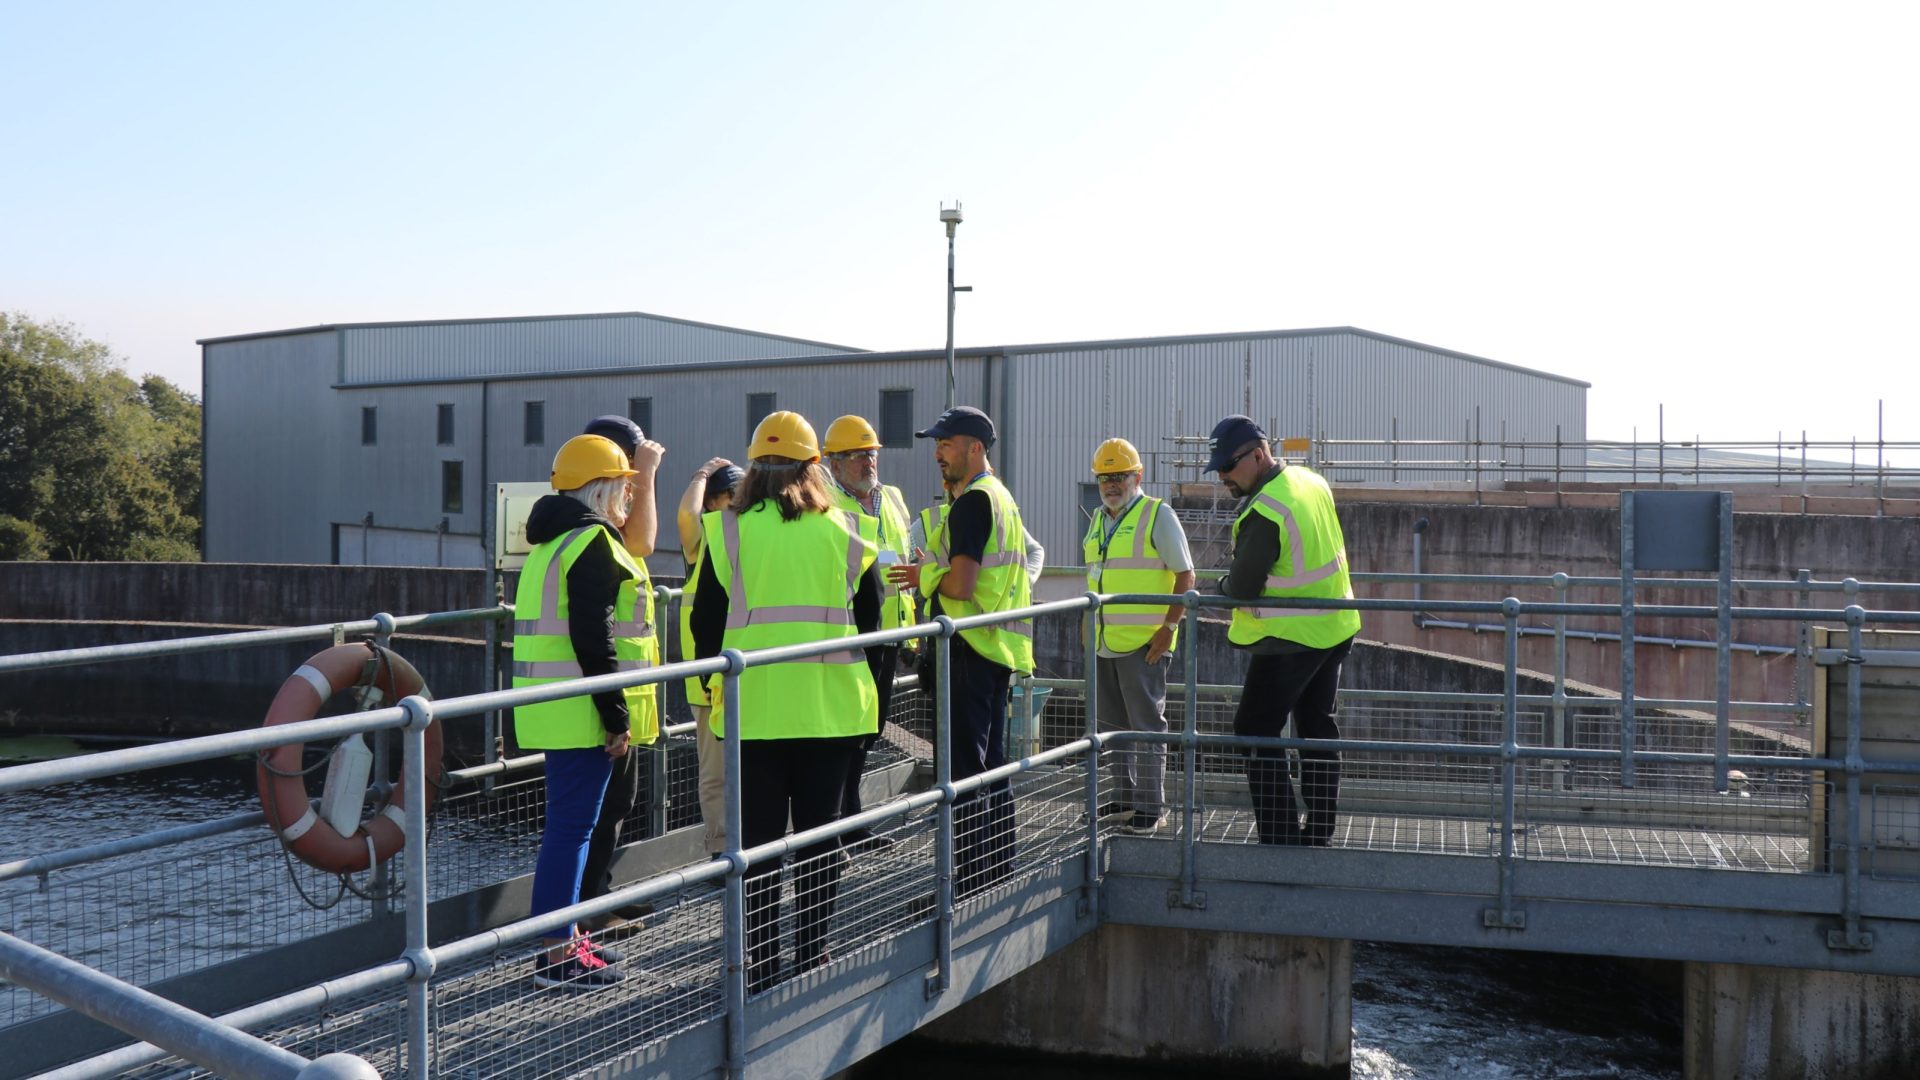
(380, 442)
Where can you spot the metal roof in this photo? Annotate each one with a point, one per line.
(326, 327)
(860, 355)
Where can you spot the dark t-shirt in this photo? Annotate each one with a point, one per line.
(969, 524)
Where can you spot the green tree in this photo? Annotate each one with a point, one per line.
(92, 464)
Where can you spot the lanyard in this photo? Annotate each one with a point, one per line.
(1112, 524)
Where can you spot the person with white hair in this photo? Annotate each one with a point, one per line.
(582, 608)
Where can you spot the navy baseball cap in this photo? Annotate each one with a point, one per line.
(960, 420)
(625, 433)
(723, 480)
(1228, 437)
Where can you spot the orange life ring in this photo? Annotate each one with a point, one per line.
(283, 793)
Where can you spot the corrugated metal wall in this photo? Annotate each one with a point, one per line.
(272, 443)
(702, 414)
(285, 464)
(457, 350)
(1067, 402)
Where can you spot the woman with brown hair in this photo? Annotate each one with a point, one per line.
(784, 567)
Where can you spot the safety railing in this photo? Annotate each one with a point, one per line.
(1476, 459)
(1506, 765)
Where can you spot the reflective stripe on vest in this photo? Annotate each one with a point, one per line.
(788, 583)
(1312, 564)
(1001, 586)
(1138, 568)
(543, 645)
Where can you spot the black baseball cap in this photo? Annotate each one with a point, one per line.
(960, 420)
(625, 433)
(723, 480)
(1228, 437)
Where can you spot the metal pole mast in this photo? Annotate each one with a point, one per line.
(951, 218)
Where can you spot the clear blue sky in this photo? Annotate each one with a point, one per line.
(1710, 206)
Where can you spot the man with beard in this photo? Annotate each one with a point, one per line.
(976, 568)
(1287, 544)
(853, 461)
(1134, 545)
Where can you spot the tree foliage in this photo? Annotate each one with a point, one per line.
(93, 465)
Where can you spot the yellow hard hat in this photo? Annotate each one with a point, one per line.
(586, 458)
(1116, 456)
(850, 433)
(785, 434)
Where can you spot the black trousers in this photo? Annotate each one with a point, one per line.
(983, 825)
(883, 661)
(803, 779)
(1304, 685)
(623, 791)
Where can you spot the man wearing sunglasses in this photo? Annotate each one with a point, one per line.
(1134, 544)
(1287, 545)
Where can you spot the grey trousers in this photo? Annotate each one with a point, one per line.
(1133, 697)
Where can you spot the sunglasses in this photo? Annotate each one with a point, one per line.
(1112, 477)
(1237, 458)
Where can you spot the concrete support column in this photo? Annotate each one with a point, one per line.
(1218, 1003)
(1765, 1023)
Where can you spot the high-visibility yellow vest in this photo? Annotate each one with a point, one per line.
(1127, 562)
(1002, 585)
(790, 582)
(1313, 563)
(696, 687)
(896, 608)
(543, 649)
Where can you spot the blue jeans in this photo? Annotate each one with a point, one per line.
(576, 782)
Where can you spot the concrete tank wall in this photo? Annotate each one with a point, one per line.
(236, 594)
(1215, 1003)
(1765, 1023)
(197, 693)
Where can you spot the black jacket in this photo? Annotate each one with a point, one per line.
(593, 589)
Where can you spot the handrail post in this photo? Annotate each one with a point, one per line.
(1850, 936)
(490, 680)
(1505, 916)
(1093, 751)
(657, 802)
(419, 980)
(943, 847)
(734, 913)
(1723, 646)
(1803, 654)
(380, 887)
(1557, 733)
(1190, 744)
(1627, 724)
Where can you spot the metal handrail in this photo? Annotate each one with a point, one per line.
(415, 714)
(140, 650)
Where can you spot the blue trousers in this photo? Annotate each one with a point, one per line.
(576, 782)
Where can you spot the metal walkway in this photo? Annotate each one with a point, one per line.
(1515, 834)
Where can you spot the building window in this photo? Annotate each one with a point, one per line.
(534, 428)
(640, 411)
(450, 475)
(896, 418)
(1089, 499)
(369, 425)
(444, 428)
(759, 406)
